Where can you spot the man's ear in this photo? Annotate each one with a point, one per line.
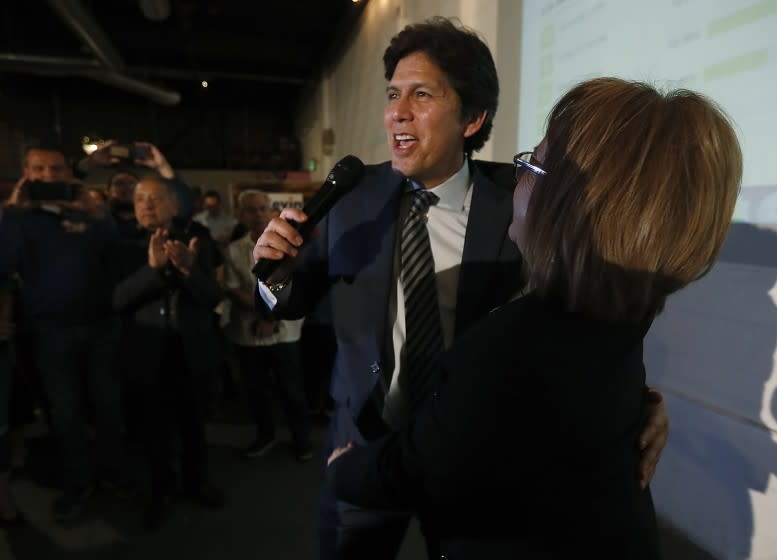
(474, 124)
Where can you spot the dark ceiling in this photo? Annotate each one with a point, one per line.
(259, 51)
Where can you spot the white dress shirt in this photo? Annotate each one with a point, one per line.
(447, 226)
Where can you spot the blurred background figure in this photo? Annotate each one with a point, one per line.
(166, 295)
(121, 190)
(98, 195)
(57, 239)
(9, 514)
(216, 218)
(264, 346)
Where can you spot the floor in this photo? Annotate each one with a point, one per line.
(270, 512)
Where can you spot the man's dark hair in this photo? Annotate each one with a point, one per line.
(113, 176)
(464, 59)
(43, 146)
(212, 194)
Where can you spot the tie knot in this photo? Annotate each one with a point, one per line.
(423, 199)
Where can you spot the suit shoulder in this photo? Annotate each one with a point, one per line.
(379, 171)
(380, 175)
(499, 174)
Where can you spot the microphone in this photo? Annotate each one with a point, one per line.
(343, 177)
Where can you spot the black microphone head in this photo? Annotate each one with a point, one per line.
(343, 178)
(347, 171)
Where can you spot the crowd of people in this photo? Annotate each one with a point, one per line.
(124, 309)
(489, 319)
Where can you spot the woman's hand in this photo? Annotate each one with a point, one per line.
(653, 437)
(337, 452)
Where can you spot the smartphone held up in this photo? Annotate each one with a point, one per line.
(129, 153)
(52, 191)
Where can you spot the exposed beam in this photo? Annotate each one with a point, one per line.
(110, 67)
(87, 68)
(88, 30)
(181, 74)
(132, 85)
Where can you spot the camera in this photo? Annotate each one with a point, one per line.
(128, 152)
(58, 190)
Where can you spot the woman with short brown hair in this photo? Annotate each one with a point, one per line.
(639, 192)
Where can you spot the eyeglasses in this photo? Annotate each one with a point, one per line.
(527, 161)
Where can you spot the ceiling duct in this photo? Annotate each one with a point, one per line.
(108, 67)
(88, 68)
(88, 30)
(133, 85)
(46, 65)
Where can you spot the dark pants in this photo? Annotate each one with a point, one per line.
(348, 532)
(223, 384)
(256, 363)
(67, 359)
(176, 405)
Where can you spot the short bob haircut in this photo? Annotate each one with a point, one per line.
(464, 59)
(638, 197)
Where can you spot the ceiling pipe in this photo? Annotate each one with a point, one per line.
(140, 87)
(109, 67)
(88, 68)
(66, 63)
(180, 74)
(40, 65)
(88, 30)
(60, 66)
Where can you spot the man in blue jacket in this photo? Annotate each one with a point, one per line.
(59, 249)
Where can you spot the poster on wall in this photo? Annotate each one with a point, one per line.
(281, 200)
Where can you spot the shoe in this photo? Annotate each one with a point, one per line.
(70, 504)
(158, 512)
(208, 496)
(259, 448)
(304, 453)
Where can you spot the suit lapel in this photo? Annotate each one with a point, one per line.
(379, 206)
(489, 217)
(383, 247)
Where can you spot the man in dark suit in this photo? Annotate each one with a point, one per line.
(166, 296)
(441, 99)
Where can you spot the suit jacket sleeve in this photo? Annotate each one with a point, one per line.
(308, 281)
(145, 284)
